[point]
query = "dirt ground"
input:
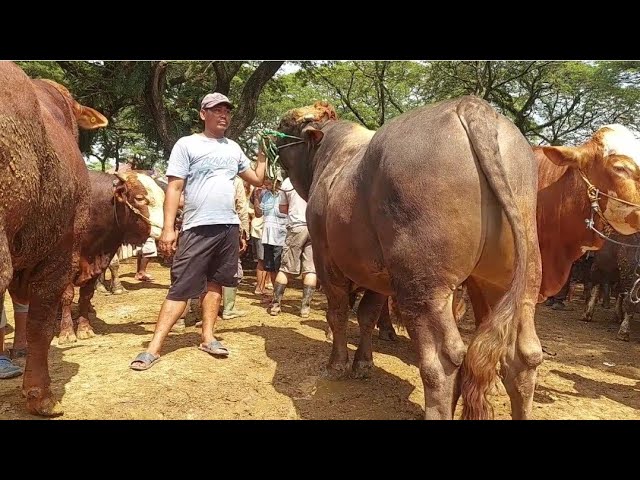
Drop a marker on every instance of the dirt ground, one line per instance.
(275, 367)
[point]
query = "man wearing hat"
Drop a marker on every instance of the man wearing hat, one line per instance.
(203, 165)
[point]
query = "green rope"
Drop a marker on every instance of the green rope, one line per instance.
(270, 149)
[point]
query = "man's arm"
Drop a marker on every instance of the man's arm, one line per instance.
(241, 208)
(255, 178)
(167, 243)
(172, 201)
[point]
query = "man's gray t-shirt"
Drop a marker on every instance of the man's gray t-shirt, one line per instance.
(208, 166)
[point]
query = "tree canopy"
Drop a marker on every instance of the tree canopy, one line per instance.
(150, 104)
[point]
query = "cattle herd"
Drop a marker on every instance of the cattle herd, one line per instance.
(441, 197)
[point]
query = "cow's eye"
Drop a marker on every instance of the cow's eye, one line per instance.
(621, 169)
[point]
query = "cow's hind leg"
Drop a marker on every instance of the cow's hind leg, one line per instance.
(368, 311)
(524, 354)
(519, 367)
(618, 311)
(116, 284)
(428, 316)
(628, 309)
(45, 302)
(591, 303)
(385, 327)
(84, 330)
(100, 284)
(67, 334)
(606, 294)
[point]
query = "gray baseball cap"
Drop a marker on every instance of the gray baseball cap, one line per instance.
(212, 99)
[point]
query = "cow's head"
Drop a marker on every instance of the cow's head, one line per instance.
(610, 160)
(140, 191)
(297, 159)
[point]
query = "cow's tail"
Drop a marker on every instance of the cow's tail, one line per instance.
(479, 370)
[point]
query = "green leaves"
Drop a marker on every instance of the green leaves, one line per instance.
(151, 104)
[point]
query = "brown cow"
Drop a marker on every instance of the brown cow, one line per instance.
(125, 208)
(610, 162)
(44, 208)
(382, 215)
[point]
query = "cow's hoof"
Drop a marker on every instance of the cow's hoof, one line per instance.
(328, 336)
(102, 289)
(42, 404)
(362, 369)
(119, 291)
(67, 337)
(623, 336)
(585, 318)
(336, 371)
(85, 331)
(388, 335)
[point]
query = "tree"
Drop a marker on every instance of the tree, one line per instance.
(150, 105)
(367, 92)
(165, 88)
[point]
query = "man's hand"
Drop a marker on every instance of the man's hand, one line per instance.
(243, 244)
(168, 242)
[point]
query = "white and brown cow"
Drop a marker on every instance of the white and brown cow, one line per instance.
(125, 208)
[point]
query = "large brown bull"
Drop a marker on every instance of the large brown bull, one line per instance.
(438, 196)
(44, 208)
(125, 208)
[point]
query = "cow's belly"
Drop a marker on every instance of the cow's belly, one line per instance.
(48, 223)
(346, 240)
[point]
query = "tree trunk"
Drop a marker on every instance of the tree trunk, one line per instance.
(154, 100)
(245, 112)
(225, 71)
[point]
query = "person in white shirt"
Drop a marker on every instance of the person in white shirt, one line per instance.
(274, 228)
(297, 254)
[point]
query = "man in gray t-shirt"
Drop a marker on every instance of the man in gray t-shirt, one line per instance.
(202, 166)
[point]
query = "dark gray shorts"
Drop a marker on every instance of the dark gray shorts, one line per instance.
(208, 253)
(272, 257)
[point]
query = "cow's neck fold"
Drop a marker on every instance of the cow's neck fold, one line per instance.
(563, 207)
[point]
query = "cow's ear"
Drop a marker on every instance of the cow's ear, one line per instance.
(313, 135)
(120, 190)
(88, 118)
(573, 157)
